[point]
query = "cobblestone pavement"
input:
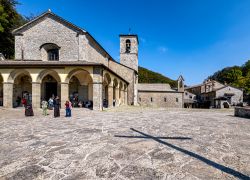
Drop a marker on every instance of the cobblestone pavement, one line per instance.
(126, 143)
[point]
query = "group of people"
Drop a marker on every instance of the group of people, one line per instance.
(54, 103)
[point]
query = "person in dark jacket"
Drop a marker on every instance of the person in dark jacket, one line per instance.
(29, 110)
(56, 104)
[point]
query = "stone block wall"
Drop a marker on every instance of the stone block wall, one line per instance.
(47, 30)
(160, 99)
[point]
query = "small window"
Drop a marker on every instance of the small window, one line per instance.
(151, 99)
(140, 99)
(177, 100)
(53, 55)
(165, 99)
(128, 46)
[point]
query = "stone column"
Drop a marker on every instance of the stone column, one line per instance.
(136, 91)
(110, 95)
(97, 89)
(36, 95)
(64, 93)
(8, 95)
(97, 96)
(122, 97)
(117, 96)
(125, 97)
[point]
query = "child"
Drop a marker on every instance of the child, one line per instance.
(44, 107)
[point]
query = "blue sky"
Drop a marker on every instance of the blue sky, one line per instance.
(194, 38)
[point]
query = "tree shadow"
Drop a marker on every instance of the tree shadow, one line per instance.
(220, 167)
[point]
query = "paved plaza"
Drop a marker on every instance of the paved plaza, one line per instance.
(126, 143)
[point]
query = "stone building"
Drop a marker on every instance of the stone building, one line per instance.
(55, 57)
(189, 100)
(161, 95)
(215, 94)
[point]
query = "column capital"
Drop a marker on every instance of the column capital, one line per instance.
(35, 83)
(63, 83)
(96, 82)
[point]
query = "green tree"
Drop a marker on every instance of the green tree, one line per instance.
(9, 20)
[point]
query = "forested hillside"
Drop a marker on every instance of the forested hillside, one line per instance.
(238, 76)
(147, 76)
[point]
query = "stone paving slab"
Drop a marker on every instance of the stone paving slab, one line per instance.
(125, 143)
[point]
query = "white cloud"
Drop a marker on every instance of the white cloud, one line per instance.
(162, 49)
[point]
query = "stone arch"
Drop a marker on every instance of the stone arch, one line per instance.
(22, 86)
(80, 87)
(15, 73)
(1, 90)
(50, 52)
(50, 83)
(75, 72)
(46, 72)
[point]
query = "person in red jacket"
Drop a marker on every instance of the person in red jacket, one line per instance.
(68, 107)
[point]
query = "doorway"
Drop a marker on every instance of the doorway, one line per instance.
(50, 89)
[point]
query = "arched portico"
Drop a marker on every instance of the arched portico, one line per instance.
(49, 81)
(107, 91)
(80, 88)
(20, 82)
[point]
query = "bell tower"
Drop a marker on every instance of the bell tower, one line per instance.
(180, 84)
(129, 51)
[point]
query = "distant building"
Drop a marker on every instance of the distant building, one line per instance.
(215, 94)
(159, 95)
(189, 100)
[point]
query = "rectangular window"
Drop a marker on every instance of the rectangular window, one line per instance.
(140, 99)
(151, 99)
(177, 100)
(165, 99)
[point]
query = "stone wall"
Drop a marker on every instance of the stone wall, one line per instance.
(242, 112)
(160, 99)
(47, 30)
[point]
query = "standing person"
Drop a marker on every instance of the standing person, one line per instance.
(24, 102)
(56, 104)
(45, 107)
(50, 102)
(68, 108)
(18, 101)
(29, 110)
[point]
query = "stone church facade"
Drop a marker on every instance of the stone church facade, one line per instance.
(55, 57)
